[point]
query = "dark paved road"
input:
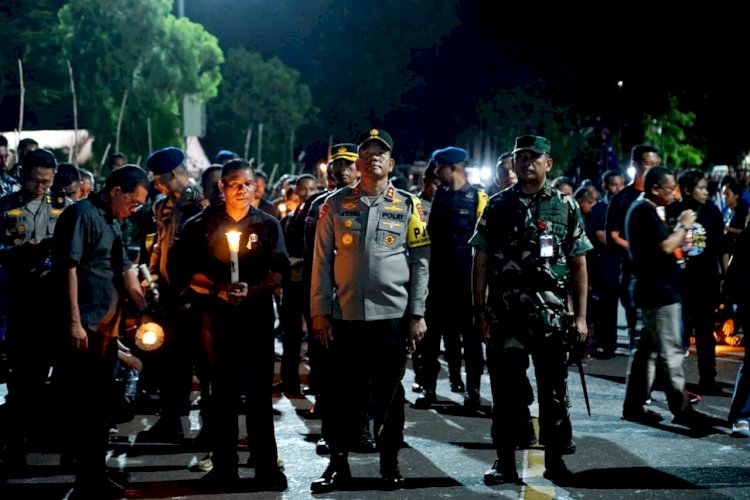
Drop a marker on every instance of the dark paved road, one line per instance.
(448, 452)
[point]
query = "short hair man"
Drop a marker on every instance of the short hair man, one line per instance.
(656, 271)
(91, 264)
(243, 350)
(28, 220)
(530, 244)
(370, 234)
(455, 210)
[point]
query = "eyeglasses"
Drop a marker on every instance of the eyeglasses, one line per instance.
(133, 205)
(668, 188)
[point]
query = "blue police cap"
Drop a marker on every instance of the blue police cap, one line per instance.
(165, 160)
(225, 154)
(449, 156)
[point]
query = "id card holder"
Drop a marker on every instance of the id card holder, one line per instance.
(546, 245)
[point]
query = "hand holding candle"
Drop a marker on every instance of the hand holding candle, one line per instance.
(233, 238)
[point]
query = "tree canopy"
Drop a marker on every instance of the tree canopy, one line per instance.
(118, 46)
(256, 91)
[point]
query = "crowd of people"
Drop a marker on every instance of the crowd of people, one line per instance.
(537, 268)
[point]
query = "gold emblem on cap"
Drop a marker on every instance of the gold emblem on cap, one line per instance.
(389, 239)
(347, 223)
(347, 239)
(374, 132)
(342, 149)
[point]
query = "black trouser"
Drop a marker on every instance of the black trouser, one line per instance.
(173, 363)
(450, 316)
(32, 345)
(510, 390)
(605, 312)
(700, 298)
(291, 323)
(626, 297)
(88, 377)
(244, 349)
(364, 353)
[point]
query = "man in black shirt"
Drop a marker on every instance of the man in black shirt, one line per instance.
(239, 313)
(90, 261)
(642, 158)
(656, 291)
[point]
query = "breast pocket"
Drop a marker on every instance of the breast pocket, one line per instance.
(348, 231)
(390, 234)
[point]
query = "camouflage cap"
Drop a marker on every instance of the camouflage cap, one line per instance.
(535, 143)
(346, 151)
(375, 135)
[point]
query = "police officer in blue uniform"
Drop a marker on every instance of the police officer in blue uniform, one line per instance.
(456, 208)
(27, 222)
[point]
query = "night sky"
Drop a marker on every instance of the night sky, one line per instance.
(580, 55)
(469, 49)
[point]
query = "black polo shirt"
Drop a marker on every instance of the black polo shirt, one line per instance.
(202, 247)
(88, 237)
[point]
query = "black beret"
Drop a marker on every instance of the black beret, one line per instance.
(38, 158)
(165, 160)
(449, 156)
(375, 135)
(347, 151)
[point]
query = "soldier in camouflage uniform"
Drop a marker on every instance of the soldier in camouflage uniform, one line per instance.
(369, 281)
(530, 243)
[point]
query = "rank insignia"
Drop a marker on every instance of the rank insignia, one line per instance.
(389, 239)
(347, 239)
(348, 223)
(389, 193)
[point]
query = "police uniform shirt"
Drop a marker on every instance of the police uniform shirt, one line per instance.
(523, 283)
(371, 256)
(88, 237)
(21, 219)
(202, 248)
(170, 217)
(453, 217)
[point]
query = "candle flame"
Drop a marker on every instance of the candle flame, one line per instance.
(233, 238)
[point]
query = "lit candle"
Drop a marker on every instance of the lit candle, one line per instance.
(233, 238)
